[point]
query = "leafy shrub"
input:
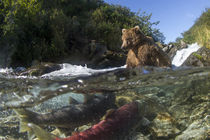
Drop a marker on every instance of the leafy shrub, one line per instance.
(200, 31)
(47, 30)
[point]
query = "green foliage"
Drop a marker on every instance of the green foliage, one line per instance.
(109, 20)
(46, 30)
(198, 56)
(200, 31)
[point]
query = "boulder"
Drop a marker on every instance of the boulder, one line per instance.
(164, 126)
(171, 49)
(110, 59)
(200, 58)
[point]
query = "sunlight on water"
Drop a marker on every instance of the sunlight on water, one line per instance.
(183, 54)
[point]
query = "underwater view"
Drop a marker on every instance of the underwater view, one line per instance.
(125, 104)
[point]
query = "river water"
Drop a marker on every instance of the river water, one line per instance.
(53, 90)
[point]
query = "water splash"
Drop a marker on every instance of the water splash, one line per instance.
(183, 54)
(75, 70)
(6, 70)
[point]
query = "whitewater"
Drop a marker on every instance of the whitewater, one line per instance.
(183, 54)
(74, 70)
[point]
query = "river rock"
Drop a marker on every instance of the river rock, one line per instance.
(200, 58)
(198, 130)
(172, 48)
(164, 126)
(110, 59)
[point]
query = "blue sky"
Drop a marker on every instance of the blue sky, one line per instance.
(175, 16)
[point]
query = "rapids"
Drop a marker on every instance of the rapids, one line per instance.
(183, 54)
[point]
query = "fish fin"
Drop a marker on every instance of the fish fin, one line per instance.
(25, 117)
(73, 101)
(33, 130)
(26, 114)
(23, 127)
(40, 133)
(31, 135)
(58, 132)
(108, 114)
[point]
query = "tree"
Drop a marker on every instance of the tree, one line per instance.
(109, 20)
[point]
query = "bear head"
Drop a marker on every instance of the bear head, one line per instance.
(131, 37)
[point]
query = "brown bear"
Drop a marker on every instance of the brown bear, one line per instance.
(142, 50)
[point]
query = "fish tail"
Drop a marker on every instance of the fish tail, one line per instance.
(40, 133)
(25, 116)
(27, 125)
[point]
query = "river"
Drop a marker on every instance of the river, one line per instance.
(172, 88)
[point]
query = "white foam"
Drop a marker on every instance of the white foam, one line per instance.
(75, 70)
(183, 54)
(6, 70)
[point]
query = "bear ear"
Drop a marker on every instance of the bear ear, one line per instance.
(137, 28)
(123, 30)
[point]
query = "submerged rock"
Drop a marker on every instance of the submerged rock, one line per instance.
(164, 126)
(198, 130)
(200, 58)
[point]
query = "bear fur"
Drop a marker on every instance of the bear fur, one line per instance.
(142, 50)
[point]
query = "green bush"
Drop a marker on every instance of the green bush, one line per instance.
(109, 20)
(46, 30)
(200, 31)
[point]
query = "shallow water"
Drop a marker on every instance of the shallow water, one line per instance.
(166, 86)
(184, 92)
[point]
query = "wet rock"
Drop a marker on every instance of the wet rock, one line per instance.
(200, 58)
(164, 126)
(183, 44)
(19, 69)
(198, 130)
(122, 100)
(100, 57)
(40, 69)
(140, 136)
(110, 59)
(172, 48)
(167, 48)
